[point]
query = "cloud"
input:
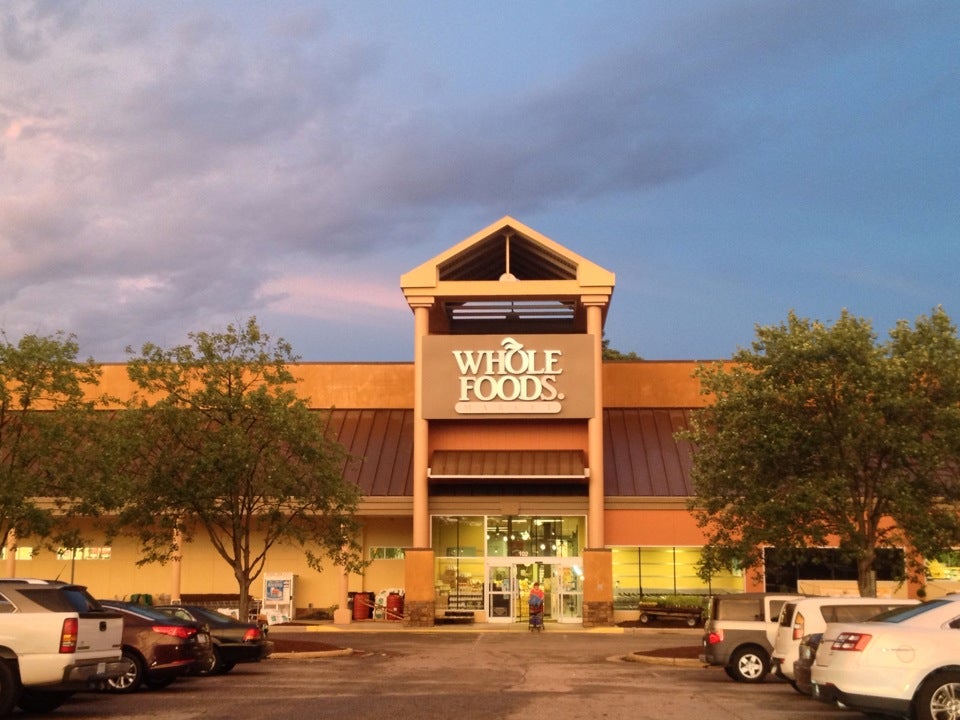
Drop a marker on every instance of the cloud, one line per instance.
(166, 167)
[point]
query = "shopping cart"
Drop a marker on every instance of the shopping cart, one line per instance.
(536, 613)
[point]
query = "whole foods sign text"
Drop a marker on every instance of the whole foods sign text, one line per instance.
(497, 376)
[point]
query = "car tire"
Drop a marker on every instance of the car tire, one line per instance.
(938, 697)
(213, 664)
(749, 664)
(9, 688)
(32, 701)
(131, 680)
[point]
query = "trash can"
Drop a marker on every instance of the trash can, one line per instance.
(362, 605)
(394, 606)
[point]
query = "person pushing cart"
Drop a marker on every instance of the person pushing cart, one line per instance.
(535, 602)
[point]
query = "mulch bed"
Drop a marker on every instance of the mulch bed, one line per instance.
(686, 653)
(284, 645)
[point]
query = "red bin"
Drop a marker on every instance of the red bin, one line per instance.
(394, 606)
(362, 606)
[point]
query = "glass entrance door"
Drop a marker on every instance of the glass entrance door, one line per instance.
(501, 582)
(569, 592)
(509, 582)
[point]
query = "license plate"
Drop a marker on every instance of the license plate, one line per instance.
(101, 668)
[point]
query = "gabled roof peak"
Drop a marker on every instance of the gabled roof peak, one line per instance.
(508, 277)
(503, 251)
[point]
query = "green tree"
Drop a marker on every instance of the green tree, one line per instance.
(819, 432)
(612, 354)
(46, 420)
(228, 448)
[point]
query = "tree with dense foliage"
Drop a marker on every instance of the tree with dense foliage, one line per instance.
(46, 419)
(227, 447)
(820, 434)
(613, 355)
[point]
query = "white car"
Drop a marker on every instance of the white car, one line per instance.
(905, 663)
(811, 615)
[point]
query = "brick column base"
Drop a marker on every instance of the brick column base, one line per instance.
(597, 614)
(418, 613)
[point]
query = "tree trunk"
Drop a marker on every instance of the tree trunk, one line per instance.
(243, 583)
(866, 576)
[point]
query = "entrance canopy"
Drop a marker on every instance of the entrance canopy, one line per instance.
(500, 465)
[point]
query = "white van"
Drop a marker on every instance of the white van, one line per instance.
(811, 615)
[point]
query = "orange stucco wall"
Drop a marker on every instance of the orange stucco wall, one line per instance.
(324, 385)
(390, 385)
(651, 527)
(651, 384)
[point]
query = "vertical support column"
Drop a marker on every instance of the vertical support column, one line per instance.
(421, 519)
(175, 566)
(597, 561)
(342, 615)
(595, 531)
(420, 600)
(11, 548)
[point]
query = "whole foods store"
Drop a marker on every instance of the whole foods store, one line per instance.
(506, 453)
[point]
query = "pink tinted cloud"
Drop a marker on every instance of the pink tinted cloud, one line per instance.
(326, 297)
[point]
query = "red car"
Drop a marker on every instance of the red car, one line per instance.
(158, 648)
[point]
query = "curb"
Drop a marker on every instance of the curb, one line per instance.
(673, 662)
(311, 654)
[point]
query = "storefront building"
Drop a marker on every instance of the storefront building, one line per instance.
(508, 452)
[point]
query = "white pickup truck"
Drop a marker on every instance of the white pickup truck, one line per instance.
(55, 639)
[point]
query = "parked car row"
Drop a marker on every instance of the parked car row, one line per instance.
(893, 658)
(57, 639)
(162, 643)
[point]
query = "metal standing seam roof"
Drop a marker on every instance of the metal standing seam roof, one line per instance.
(642, 458)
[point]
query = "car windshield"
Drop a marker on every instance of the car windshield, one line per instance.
(898, 615)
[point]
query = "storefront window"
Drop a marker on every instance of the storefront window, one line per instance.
(21, 553)
(458, 536)
(536, 536)
(639, 571)
(463, 546)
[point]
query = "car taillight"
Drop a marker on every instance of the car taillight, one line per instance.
(798, 626)
(179, 631)
(68, 635)
(252, 635)
(855, 642)
(715, 637)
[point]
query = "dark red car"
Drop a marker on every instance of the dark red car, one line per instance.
(158, 648)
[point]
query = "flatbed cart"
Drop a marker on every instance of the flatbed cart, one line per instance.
(536, 614)
(689, 615)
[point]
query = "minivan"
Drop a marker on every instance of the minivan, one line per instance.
(739, 632)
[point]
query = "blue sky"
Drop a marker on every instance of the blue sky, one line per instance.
(177, 166)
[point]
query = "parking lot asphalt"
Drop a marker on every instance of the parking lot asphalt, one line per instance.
(658, 645)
